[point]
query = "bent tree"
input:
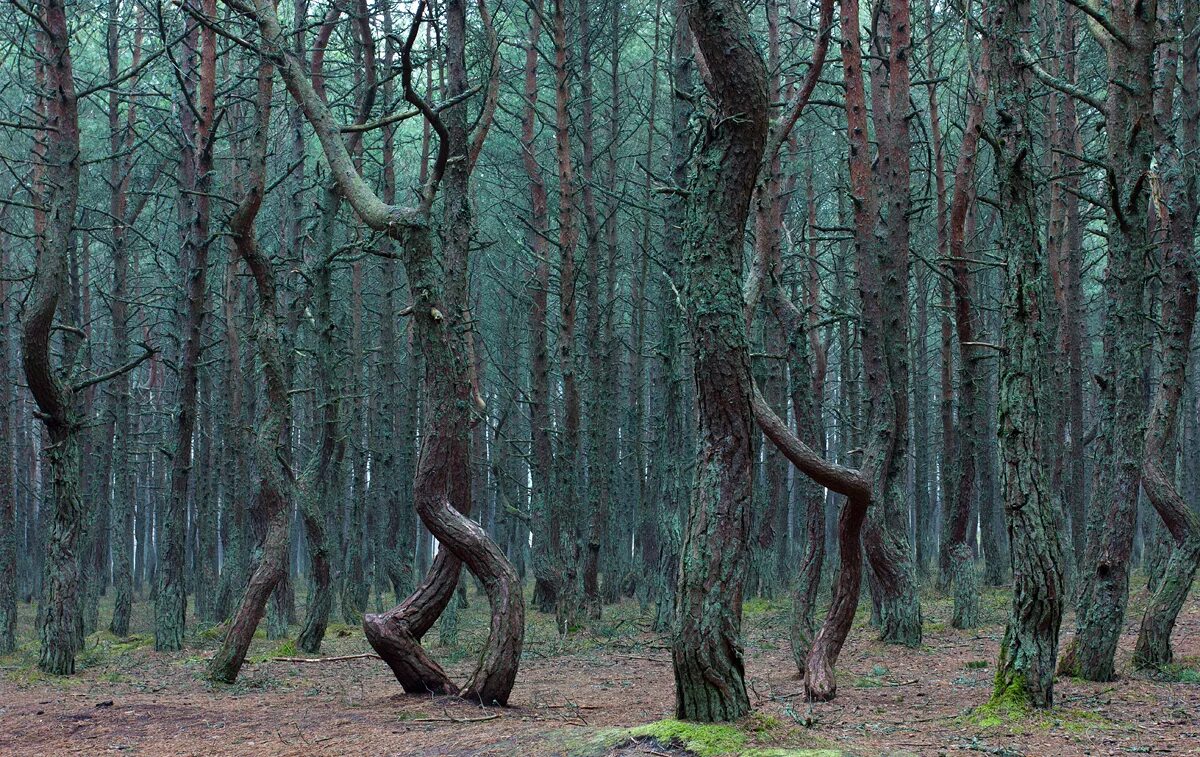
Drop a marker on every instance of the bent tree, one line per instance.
(707, 650)
(56, 187)
(1176, 156)
(276, 491)
(1025, 672)
(441, 332)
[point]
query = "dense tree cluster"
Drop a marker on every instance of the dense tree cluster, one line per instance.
(308, 306)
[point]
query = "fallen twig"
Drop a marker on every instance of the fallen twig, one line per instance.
(342, 658)
(452, 719)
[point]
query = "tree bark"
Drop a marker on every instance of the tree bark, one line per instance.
(1025, 672)
(56, 187)
(1180, 285)
(197, 119)
(442, 483)
(707, 653)
(1105, 573)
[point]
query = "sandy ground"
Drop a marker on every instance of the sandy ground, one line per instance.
(127, 698)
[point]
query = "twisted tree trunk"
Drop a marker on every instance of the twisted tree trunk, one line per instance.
(707, 652)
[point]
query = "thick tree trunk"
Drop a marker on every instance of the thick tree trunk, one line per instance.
(1025, 672)
(707, 652)
(56, 187)
(1177, 161)
(1105, 573)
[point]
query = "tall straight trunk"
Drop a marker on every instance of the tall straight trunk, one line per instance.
(545, 533)
(1025, 672)
(9, 541)
(881, 201)
(197, 119)
(1105, 573)
(707, 651)
(565, 514)
(674, 445)
(394, 450)
(925, 516)
(121, 535)
(56, 189)
(602, 362)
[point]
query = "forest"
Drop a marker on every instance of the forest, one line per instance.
(595, 378)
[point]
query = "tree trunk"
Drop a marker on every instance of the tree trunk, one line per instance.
(277, 488)
(197, 119)
(1105, 573)
(56, 188)
(707, 652)
(1180, 285)
(1025, 672)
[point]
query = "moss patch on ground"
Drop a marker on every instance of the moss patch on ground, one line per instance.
(755, 736)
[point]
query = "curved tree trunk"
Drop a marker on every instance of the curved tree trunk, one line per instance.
(277, 490)
(1177, 161)
(56, 187)
(707, 652)
(442, 332)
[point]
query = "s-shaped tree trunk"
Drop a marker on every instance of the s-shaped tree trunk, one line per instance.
(441, 332)
(56, 186)
(707, 651)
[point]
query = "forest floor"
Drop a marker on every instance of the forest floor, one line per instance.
(587, 695)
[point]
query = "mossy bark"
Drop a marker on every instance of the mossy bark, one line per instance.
(707, 652)
(1025, 672)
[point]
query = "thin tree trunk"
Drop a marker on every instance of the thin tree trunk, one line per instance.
(197, 119)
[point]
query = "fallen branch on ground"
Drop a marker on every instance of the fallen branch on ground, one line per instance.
(342, 658)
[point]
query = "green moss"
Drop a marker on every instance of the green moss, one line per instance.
(976, 664)
(1009, 708)
(1178, 673)
(703, 739)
